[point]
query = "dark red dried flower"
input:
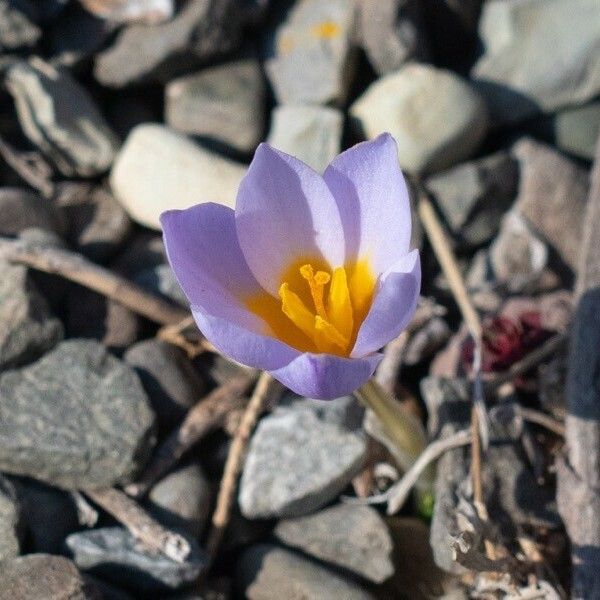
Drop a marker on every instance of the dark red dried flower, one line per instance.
(505, 341)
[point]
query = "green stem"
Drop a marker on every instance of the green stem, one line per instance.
(403, 430)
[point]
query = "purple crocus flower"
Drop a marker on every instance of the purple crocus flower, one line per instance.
(310, 275)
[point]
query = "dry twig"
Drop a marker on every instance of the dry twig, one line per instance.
(266, 387)
(479, 428)
(204, 417)
(141, 524)
(175, 334)
(542, 419)
(397, 494)
(74, 267)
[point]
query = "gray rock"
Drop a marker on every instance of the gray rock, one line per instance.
(115, 555)
(42, 576)
(577, 129)
(474, 196)
(10, 513)
(21, 209)
(436, 117)
(419, 577)
(579, 470)
(48, 514)
(60, 118)
(427, 340)
(391, 33)
(200, 31)
(223, 103)
(108, 591)
(552, 196)
(346, 412)
(16, 28)
(296, 464)
(539, 56)
(98, 224)
(269, 573)
(170, 380)
(517, 256)
(158, 169)
(511, 491)
(353, 537)
(144, 250)
(311, 133)
(91, 423)
(311, 60)
(28, 328)
(161, 280)
(94, 316)
(49, 9)
(588, 271)
(77, 36)
(448, 405)
(183, 499)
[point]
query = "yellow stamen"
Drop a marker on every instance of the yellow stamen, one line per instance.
(327, 319)
(339, 307)
(296, 311)
(317, 282)
(331, 333)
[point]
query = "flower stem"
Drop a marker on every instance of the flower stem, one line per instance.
(402, 429)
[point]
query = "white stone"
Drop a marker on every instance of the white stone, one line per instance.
(311, 133)
(539, 56)
(159, 169)
(435, 116)
(296, 464)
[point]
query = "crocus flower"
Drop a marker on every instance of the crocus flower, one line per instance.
(311, 274)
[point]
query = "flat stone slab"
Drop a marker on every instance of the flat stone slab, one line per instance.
(269, 573)
(312, 53)
(28, 327)
(113, 553)
(43, 576)
(77, 418)
(60, 118)
(352, 537)
(311, 133)
(296, 464)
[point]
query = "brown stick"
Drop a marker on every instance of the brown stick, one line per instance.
(543, 420)
(174, 334)
(445, 256)
(141, 524)
(74, 267)
(265, 389)
(206, 416)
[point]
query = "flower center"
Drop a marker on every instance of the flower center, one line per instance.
(321, 309)
(329, 327)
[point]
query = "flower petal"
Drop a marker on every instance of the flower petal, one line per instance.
(393, 306)
(202, 248)
(243, 345)
(324, 376)
(373, 200)
(284, 212)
